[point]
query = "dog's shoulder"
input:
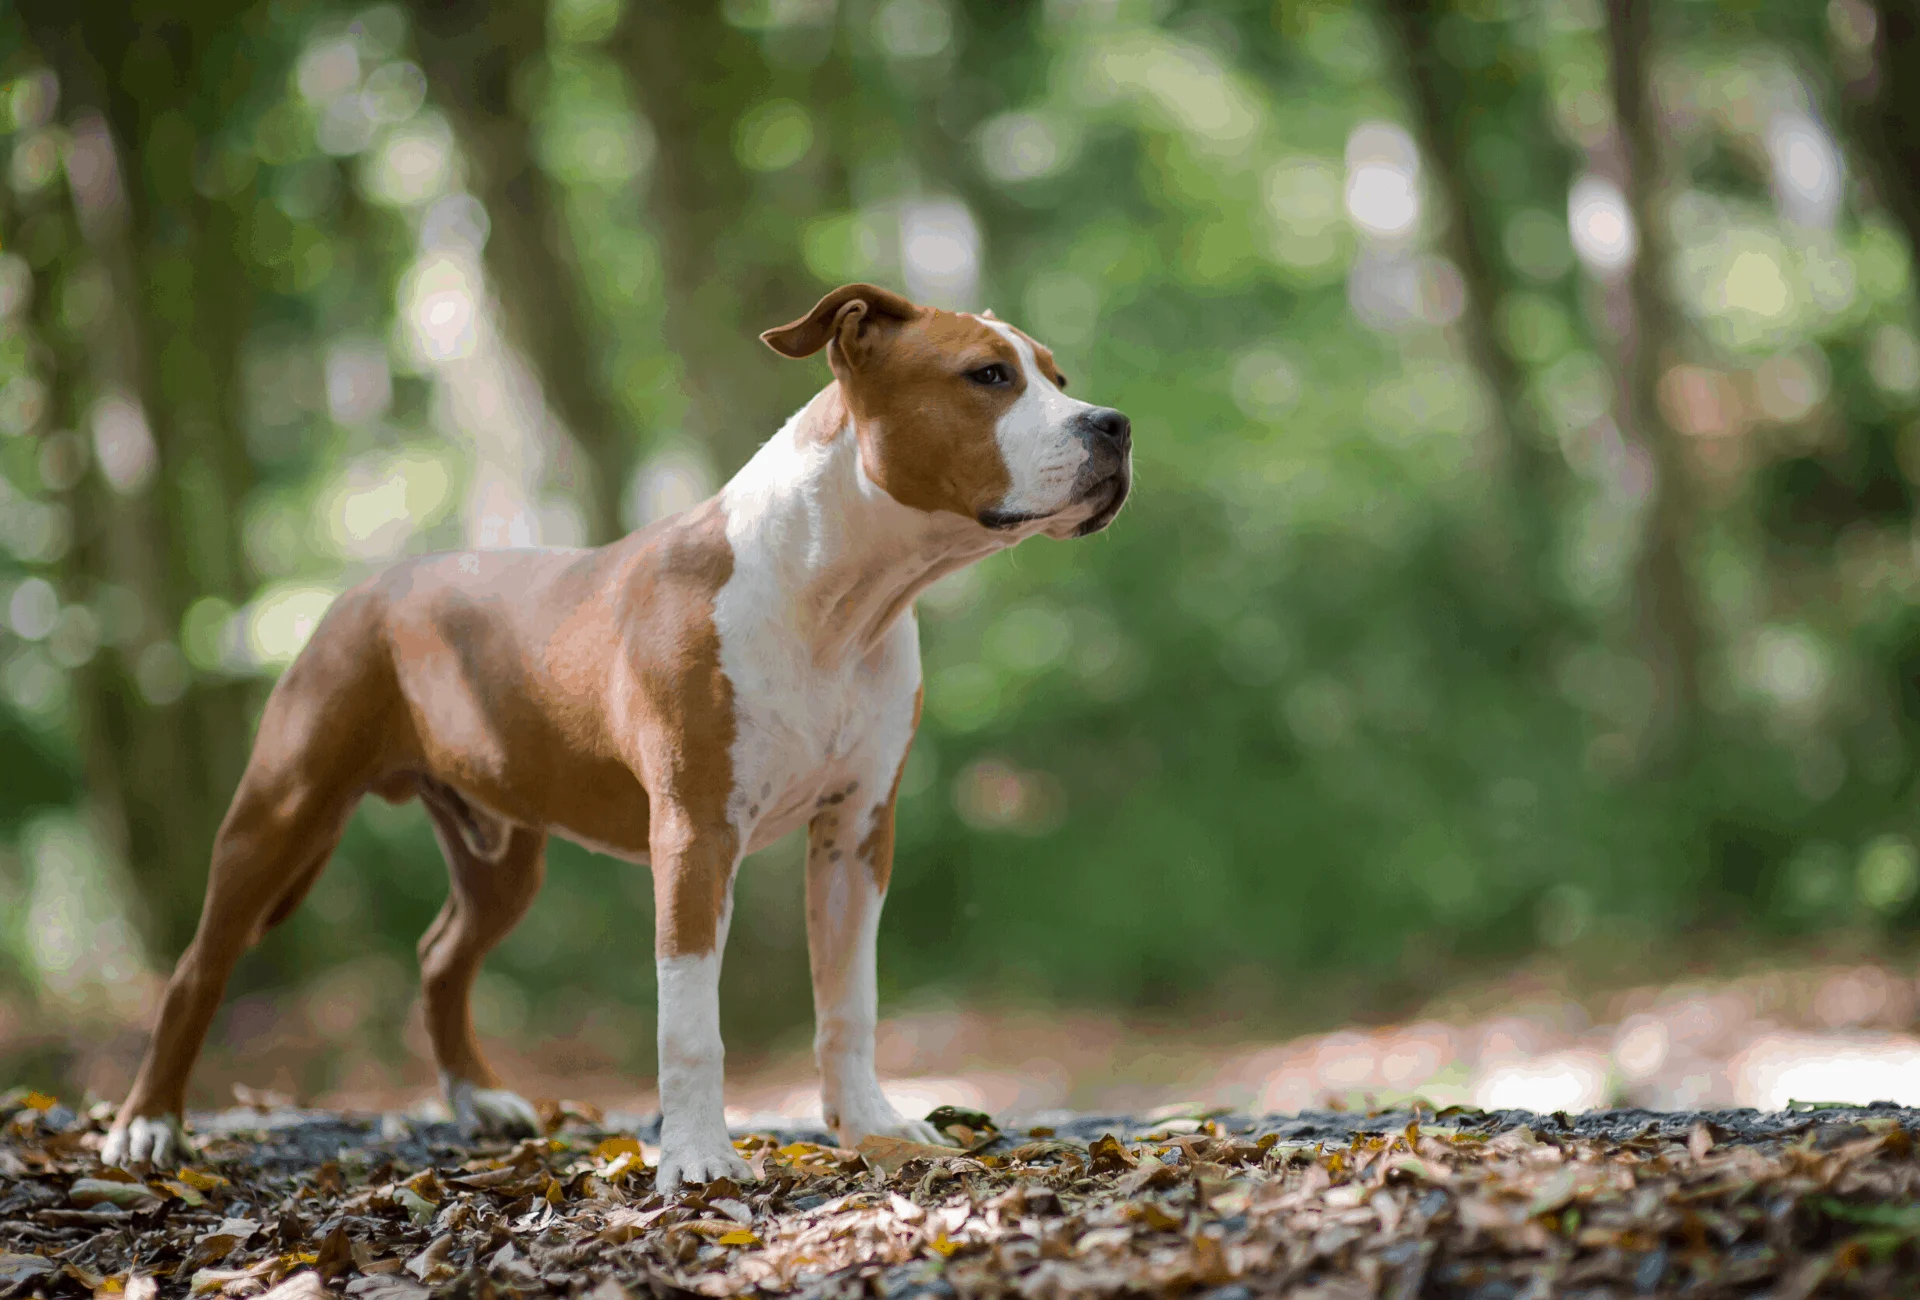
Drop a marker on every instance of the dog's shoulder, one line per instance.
(688, 551)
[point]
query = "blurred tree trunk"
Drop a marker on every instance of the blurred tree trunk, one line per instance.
(1880, 101)
(694, 75)
(104, 691)
(178, 308)
(1647, 338)
(1443, 114)
(474, 51)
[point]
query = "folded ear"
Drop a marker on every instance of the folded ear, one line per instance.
(846, 315)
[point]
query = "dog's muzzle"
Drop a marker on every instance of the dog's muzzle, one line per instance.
(1107, 475)
(1104, 479)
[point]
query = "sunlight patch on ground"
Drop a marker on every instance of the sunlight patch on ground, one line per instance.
(1776, 1069)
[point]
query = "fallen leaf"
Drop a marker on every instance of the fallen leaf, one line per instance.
(88, 1192)
(218, 1279)
(1107, 1156)
(1154, 1215)
(386, 1287)
(431, 1264)
(238, 1229)
(1556, 1191)
(427, 1186)
(734, 1209)
(304, 1285)
(1149, 1172)
(714, 1229)
(614, 1147)
(187, 1195)
(335, 1255)
(202, 1180)
(18, 1268)
(889, 1153)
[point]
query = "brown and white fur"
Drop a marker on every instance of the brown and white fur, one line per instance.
(679, 698)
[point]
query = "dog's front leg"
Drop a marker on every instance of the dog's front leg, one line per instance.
(849, 859)
(693, 868)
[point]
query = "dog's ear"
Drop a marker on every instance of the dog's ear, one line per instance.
(846, 317)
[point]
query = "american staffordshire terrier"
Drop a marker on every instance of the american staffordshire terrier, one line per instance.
(679, 698)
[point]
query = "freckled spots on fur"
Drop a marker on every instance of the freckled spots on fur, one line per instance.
(753, 810)
(834, 855)
(766, 790)
(836, 797)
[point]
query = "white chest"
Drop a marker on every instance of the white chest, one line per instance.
(817, 634)
(805, 731)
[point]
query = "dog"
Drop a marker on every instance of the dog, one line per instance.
(679, 698)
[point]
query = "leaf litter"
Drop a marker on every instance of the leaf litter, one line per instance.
(303, 1205)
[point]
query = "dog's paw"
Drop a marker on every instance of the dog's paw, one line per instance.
(690, 1161)
(918, 1130)
(874, 1116)
(145, 1140)
(491, 1112)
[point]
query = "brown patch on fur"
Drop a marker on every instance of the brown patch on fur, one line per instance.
(507, 663)
(926, 431)
(684, 724)
(519, 692)
(876, 850)
(487, 898)
(844, 313)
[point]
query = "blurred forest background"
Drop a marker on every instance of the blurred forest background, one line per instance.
(1524, 568)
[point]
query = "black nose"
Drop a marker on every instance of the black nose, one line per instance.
(1111, 426)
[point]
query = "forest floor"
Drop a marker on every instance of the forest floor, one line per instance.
(303, 1205)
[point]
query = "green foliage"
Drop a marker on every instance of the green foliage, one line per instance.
(1348, 692)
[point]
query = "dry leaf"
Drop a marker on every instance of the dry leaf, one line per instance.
(304, 1285)
(15, 1269)
(613, 1147)
(889, 1153)
(335, 1255)
(386, 1287)
(88, 1192)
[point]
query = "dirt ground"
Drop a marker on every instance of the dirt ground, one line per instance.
(1498, 1205)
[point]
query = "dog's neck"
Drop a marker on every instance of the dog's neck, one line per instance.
(834, 559)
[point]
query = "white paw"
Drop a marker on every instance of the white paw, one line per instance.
(874, 1116)
(685, 1161)
(155, 1140)
(490, 1112)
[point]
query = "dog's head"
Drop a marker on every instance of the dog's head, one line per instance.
(966, 414)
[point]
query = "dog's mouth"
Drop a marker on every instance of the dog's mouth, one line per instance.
(1112, 493)
(1106, 495)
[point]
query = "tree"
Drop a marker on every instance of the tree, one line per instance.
(1646, 339)
(1446, 106)
(476, 53)
(146, 89)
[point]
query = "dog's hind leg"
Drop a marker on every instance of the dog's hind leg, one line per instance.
(495, 871)
(329, 732)
(276, 838)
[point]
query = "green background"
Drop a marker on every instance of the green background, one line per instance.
(1474, 603)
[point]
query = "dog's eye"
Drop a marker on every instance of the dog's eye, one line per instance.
(1060, 382)
(993, 376)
